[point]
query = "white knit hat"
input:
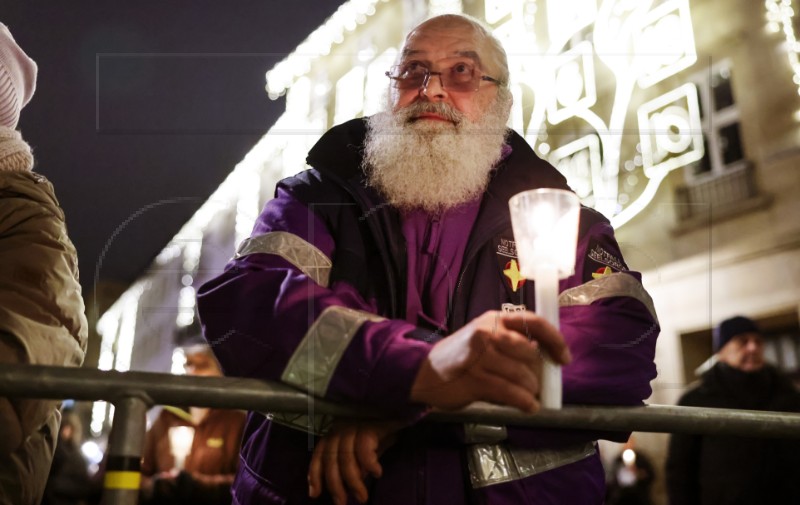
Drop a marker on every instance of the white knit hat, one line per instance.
(17, 79)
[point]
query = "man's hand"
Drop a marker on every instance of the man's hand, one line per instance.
(346, 455)
(495, 358)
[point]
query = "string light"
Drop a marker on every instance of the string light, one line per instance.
(127, 329)
(780, 16)
(117, 328)
(319, 43)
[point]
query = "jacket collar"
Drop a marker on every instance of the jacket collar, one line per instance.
(340, 150)
(520, 171)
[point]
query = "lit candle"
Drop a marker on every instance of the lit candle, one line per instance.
(180, 443)
(629, 457)
(545, 223)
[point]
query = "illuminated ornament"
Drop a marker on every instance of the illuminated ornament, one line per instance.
(641, 43)
(515, 279)
(581, 163)
(671, 135)
(602, 272)
(438, 7)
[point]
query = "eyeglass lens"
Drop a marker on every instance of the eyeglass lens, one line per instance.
(459, 77)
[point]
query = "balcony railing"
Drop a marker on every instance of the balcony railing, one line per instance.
(718, 197)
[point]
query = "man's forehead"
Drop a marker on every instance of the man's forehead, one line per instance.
(413, 53)
(198, 356)
(747, 336)
(447, 40)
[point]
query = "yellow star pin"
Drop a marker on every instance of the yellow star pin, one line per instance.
(514, 277)
(602, 272)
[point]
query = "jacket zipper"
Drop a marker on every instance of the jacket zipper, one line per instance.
(476, 245)
(368, 210)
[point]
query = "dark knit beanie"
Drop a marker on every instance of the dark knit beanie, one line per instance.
(729, 328)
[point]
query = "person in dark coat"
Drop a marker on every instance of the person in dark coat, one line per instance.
(728, 470)
(69, 482)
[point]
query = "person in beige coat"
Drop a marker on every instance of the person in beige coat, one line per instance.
(42, 317)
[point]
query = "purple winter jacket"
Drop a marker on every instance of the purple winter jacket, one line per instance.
(316, 298)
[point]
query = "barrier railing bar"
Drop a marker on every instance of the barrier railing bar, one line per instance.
(251, 394)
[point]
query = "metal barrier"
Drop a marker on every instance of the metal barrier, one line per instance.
(132, 393)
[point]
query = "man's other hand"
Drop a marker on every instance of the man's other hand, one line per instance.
(346, 455)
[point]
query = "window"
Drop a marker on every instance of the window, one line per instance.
(723, 180)
(720, 116)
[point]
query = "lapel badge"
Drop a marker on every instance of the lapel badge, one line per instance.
(602, 272)
(514, 277)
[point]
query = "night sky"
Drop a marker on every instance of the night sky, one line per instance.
(143, 108)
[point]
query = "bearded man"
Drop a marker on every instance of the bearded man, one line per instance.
(386, 276)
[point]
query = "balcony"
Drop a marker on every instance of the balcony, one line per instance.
(718, 198)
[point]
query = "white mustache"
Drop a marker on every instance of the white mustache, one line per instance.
(448, 112)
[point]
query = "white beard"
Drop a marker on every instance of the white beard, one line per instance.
(433, 165)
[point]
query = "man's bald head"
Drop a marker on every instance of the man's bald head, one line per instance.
(491, 54)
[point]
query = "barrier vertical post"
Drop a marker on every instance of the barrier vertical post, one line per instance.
(125, 445)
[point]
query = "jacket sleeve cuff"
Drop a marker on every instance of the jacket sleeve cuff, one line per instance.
(390, 380)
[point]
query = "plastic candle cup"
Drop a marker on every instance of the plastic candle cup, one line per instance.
(545, 223)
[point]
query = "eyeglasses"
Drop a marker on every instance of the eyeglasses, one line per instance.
(459, 77)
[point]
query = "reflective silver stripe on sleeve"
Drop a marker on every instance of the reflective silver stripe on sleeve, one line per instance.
(303, 255)
(316, 425)
(313, 363)
(475, 433)
(496, 463)
(617, 284)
